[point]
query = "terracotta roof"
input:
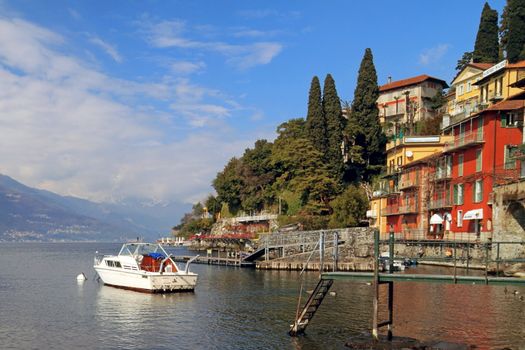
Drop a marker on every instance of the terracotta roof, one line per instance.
(481, 65)
(410, 81)
(507, 105)
(520, 64)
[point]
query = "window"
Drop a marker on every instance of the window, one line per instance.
(510, 120)
(478, 191)
(461, 130)
(479, 160)
(499, 86)
(484, 93)
(458, 194)
(460, 90)
(479, 135)
(469, 87)
(510, 156)
(448, 162)
(460, 164)
(460, 218)
(399, 161)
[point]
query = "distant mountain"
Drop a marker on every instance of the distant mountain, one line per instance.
(28, 214)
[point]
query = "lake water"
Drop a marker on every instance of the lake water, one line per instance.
(43, 307)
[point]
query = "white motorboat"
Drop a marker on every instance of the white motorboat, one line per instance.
(145, 267)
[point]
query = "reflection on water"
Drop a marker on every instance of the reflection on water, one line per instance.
(44, 307)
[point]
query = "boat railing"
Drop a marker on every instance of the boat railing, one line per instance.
(97, 260)
(187, 268)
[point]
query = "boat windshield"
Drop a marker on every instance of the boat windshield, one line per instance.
(135, 249)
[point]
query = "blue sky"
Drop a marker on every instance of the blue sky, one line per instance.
(106, 100)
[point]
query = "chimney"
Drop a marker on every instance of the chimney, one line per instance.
(389, 80)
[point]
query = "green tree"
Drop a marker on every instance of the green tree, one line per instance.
(366, 114)
(353, 151)
(315, 118)
(349, 207)
(514, 33)
(486, 48)
(228, 185)
(257, 174)
(335, 125)
(213, 205)
(464, 60)
(301, 169)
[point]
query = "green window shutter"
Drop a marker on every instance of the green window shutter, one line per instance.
(503, 120)
(455, 194)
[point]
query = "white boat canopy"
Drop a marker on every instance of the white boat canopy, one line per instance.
(436, 219)
(474, 214)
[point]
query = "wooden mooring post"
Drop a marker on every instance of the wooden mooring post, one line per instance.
(375, 320)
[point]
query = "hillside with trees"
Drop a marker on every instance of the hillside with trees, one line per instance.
(313, 172)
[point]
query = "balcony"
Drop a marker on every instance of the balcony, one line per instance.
(495, 97)
(454, 118)
(411, 208)
(390, 210)
(408, 182)
(442, 174)
(463, 141)
(440, 203)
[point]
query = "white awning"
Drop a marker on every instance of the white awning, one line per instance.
(436, 219)
(475, 214)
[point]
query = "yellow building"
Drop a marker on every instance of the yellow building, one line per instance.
(400, 153)
(465, 98)
(495, 82)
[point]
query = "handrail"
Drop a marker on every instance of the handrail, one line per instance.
(311, 254)
(187, 268)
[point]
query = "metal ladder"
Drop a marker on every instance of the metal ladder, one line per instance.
(311, 306)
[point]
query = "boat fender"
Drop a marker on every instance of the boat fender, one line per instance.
(81, 277)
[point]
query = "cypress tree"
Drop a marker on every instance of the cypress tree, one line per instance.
(335, 124)
(315, 119)
(515, 32)
(486, 48)
(366, 114)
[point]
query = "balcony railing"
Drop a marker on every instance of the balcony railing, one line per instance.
(408, 182)
(408, 209)
(442, 174)
(440, 203)
(396, 209)
(454, 118)
(465, 140)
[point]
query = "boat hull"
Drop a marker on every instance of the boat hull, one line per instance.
(150, 282)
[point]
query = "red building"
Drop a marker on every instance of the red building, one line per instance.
(481, 154)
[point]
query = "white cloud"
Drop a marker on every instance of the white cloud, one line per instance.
(109, 49)
(254, 33)
(256, 54)
(74, 13)
(166, 34)
(187, 67)
(433, 54)
(74, 130)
